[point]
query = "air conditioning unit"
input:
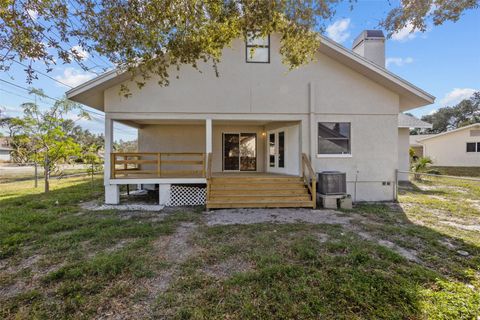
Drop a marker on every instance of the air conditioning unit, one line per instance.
(332, 183)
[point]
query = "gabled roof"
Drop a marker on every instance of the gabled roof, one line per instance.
(406, 121)
(475, 125)
(414, 138)
(91, 92)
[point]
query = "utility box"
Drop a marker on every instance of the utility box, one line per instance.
(332, 183)
(345, 202)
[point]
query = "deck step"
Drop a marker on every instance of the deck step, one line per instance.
(252, 198)
(234, 180)
(256, 191)
(258, 204)
(254, 186)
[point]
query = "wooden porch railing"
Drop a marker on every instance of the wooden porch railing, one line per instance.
(158, 164)
(309, 178)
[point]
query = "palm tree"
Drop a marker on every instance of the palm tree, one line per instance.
(421, 165)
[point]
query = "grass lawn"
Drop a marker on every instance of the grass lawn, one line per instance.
(418, 259)
(458, 171)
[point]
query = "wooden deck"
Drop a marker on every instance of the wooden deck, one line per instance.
(224, 189)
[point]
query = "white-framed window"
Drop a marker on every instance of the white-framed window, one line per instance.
(473, 146)
(334, 138)
(257, 49)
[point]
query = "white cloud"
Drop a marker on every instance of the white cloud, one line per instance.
(406, 33)
(80, 52)
(456, 95)
(397, 61)
(338, 31)
(74, 77)
(33, 14)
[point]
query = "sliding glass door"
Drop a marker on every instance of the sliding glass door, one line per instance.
(239, 151)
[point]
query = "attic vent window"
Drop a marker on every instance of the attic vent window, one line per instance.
(257, 49)
(474, 133)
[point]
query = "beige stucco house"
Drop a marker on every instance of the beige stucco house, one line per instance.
(405, 124)
(256, 135)
(455, 148)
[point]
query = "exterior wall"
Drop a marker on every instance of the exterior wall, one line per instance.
(4, 155)
(191, 138)
(171, 138)
(403, 152)
(257, 88)
(322, 91)
(450, 150)
(374, 156)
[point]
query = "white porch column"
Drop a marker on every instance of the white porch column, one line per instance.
(112, 192)
(208, 136)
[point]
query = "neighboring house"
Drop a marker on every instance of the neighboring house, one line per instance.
(455, 148)
(251, 134)
(405, 124)
(5, 150)
(416, 145)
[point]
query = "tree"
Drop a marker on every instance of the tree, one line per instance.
(19, 141)
(49, 139)
(421, 165)
(464, 113)
(145, 38)
(415, 14)
(91, 157)
(126, 146)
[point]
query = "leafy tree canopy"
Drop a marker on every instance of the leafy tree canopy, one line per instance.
(136, 35)
(463, 114)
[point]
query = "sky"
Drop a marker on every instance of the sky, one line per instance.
(444, 61)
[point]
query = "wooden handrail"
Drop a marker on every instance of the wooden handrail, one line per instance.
(158, 164)
(309, 178)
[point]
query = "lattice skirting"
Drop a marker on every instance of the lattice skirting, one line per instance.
(181, 195)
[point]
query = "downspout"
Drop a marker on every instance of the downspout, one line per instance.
(311, 118)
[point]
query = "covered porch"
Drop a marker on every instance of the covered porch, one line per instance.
(197, 152)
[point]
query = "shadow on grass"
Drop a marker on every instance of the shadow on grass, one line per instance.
(294, 271)
(328, 271)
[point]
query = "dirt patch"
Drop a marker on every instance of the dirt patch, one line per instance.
(466, 227)
(322, 237)
(176, 248)
(474, 203)
(440, 187)
(410, 255)
(38, 272)
(227, 268)
(173, 249)
(96, 206)
(253, 216)
(10, 291)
